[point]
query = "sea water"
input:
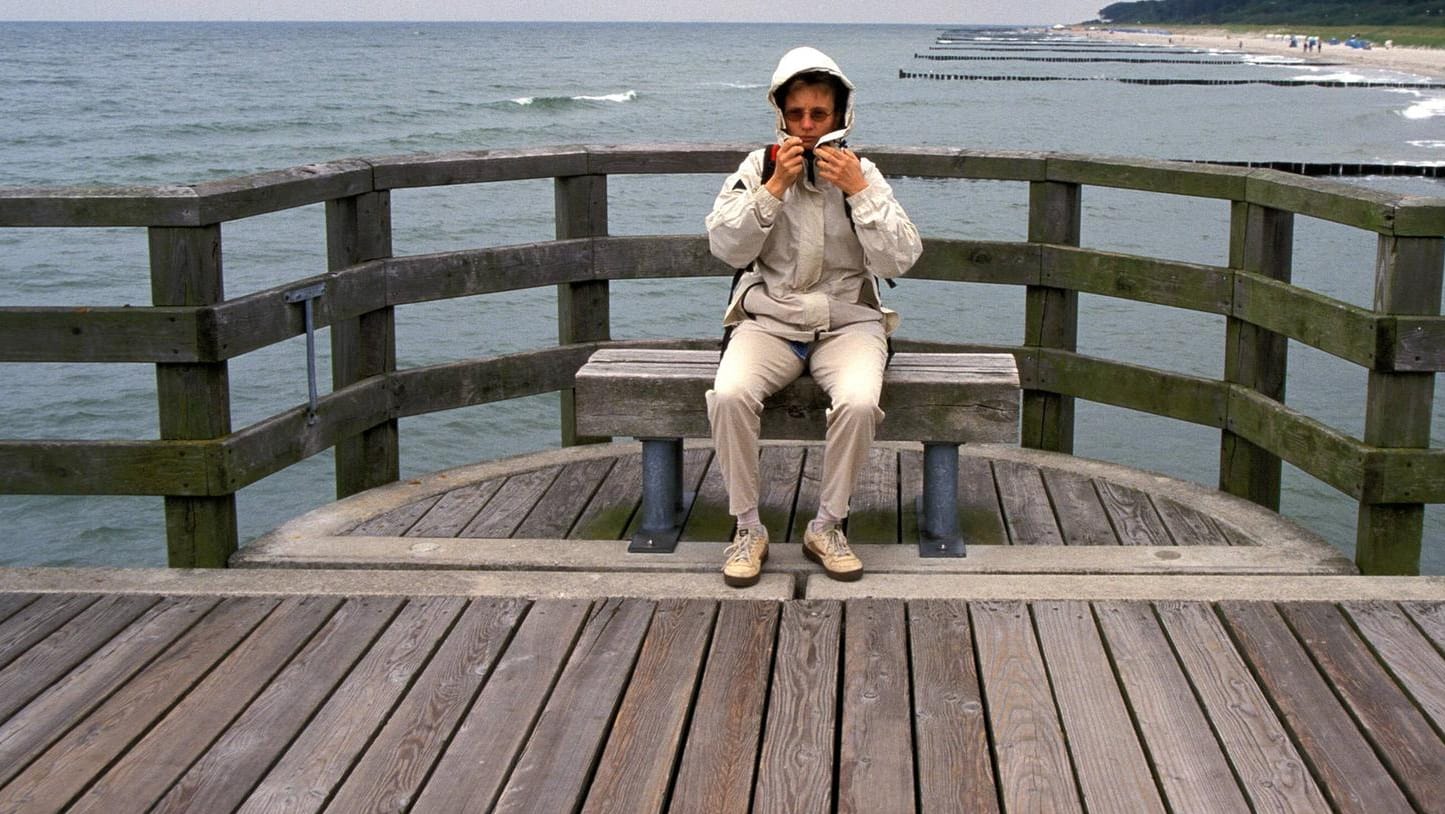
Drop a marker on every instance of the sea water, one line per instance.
(160, 103)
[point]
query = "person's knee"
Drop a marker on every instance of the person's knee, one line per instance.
(855, 410)
(732, 401)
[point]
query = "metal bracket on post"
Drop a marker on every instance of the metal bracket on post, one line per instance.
(662, 498)
(938, 534)
(306, 296)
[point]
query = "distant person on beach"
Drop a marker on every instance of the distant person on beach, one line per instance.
(815, 227)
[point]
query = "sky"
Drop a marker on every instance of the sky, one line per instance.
(947, 12)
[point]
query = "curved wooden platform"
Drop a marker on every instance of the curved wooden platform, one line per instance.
(1021, 511)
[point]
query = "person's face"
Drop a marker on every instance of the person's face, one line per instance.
(808, 113)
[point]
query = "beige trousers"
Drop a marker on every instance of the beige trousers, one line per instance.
(849, 368)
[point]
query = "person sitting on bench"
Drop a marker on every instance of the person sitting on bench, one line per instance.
(815, 227)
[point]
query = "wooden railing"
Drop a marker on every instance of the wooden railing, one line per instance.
(200, 461)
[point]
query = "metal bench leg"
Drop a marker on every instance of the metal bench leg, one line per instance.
(662, 500)
(938, 534)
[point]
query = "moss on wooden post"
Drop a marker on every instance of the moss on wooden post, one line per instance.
(358, 229)
(1398, 406)
(194, 399)
(1262, 241)
(583, 309)
(1051, 315)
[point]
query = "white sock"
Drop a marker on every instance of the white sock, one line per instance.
(749, 519)
(823, 522)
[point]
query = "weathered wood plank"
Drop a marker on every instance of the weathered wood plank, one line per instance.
(1174, 177)
(1032, 759)
(552, 772)
(30, 618)
(1261, 240)
(1407, 654)
(1342, 760)
(1271, 770)
(1026, 506)
(1051, 315)
(11, 603)
(108, 468)
(795, 767)
(1335, 327)
(562, 503)
(1141, 279)
(451, 512)
(810, 492)
(707, 516)
(396, 522)
(637, 766)
(511, 504)
(318, 759)
(83, 753)
(875, 760)
(715, 775)
(222, 778)
(470, 774)
(929, 397)
(1185, 525)
(1113, 772)
(1192, 769)
(955, 772)
(387, 776)
(1413, 751)
(62, 678)
(779, 470)
(611, 508)
(157, 760)
(1430, 616)
(1081, 516)
(873, 510)
(1133, 515)
(104, 334)
(1195, 399)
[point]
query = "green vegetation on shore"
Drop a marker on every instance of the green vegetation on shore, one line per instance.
(1414, 36)
(1337, 15)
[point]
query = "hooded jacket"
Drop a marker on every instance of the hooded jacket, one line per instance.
(812, 270)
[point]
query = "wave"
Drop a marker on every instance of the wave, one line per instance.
(1428, 144)
(735, 85)
(557, 102)
(1426, 109)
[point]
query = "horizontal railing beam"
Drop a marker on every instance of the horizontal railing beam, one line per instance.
(1141, 279)
(106, 334)
(51, 467)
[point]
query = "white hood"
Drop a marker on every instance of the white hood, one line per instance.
(807, 60)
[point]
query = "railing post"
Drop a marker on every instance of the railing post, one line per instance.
(1398, 406)
(358, 229)
(1261, 240)
(194, 399)
(1051, 315)
(583, 309)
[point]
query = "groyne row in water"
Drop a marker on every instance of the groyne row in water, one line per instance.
(1318, 169)
(1148, 49)
(1284, 83)
(1130, 60)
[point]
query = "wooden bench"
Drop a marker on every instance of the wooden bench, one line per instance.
(940, 399)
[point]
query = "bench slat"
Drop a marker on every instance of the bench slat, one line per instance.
(949, 397)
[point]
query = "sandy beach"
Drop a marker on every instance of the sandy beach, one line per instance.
(1425, 62)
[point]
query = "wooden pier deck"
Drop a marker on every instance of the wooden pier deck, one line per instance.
(300, 690)
(1019, 511)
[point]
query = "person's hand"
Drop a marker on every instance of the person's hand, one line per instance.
(789, 167)
(841, 168)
